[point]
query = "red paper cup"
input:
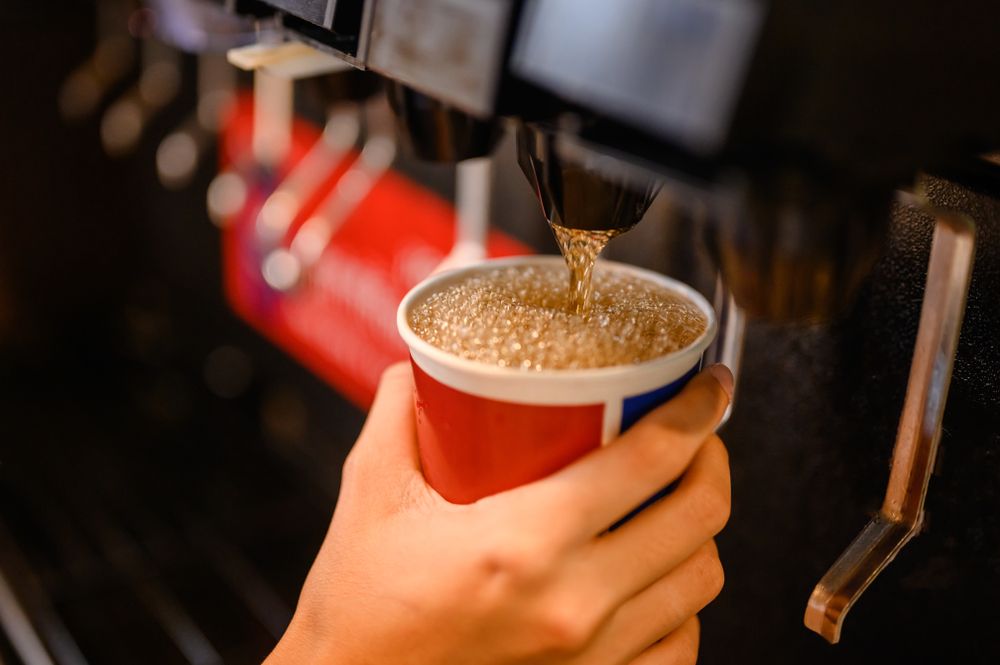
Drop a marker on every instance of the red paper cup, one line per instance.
(483, 429)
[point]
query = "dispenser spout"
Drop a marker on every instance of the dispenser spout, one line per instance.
(576, 196)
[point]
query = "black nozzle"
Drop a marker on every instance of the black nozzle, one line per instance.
(800, 247)
(349, 85)
(436, 132)
(575, 195)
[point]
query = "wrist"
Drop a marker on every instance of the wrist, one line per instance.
(305, 644)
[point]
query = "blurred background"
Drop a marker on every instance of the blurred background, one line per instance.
(170, 456)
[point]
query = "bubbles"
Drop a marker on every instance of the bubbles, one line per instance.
(523, 317)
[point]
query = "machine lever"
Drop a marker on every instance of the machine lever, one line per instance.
(902, 513)
(285, 269)
(472, 215)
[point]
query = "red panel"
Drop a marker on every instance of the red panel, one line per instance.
(472, 447)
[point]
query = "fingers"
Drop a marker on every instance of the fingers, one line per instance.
(388, 440)
(661, 608)
(604, 485)
(724, 376)
(668, 532)
(678, 648)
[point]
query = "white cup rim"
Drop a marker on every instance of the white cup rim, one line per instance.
(419, 346)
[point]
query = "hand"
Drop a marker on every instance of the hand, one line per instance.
(529, 575)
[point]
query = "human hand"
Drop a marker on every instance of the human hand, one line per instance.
(529, 575)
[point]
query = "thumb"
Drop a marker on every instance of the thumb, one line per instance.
(388, 440)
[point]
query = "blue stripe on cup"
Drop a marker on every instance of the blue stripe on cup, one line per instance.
(635, 407)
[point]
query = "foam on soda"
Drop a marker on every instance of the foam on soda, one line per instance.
(523, 317)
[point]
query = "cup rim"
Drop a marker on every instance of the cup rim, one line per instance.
(417, 344)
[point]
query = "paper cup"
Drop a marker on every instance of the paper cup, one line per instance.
(483, 429)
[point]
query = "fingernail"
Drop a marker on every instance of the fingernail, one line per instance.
(724, 377)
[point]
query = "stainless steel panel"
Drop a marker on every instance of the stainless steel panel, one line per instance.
(449, 49)
(315, 11)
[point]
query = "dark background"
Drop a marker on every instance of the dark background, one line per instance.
(149, 514)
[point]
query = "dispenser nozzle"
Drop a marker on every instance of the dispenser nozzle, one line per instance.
(434, 131)
(572, 194)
